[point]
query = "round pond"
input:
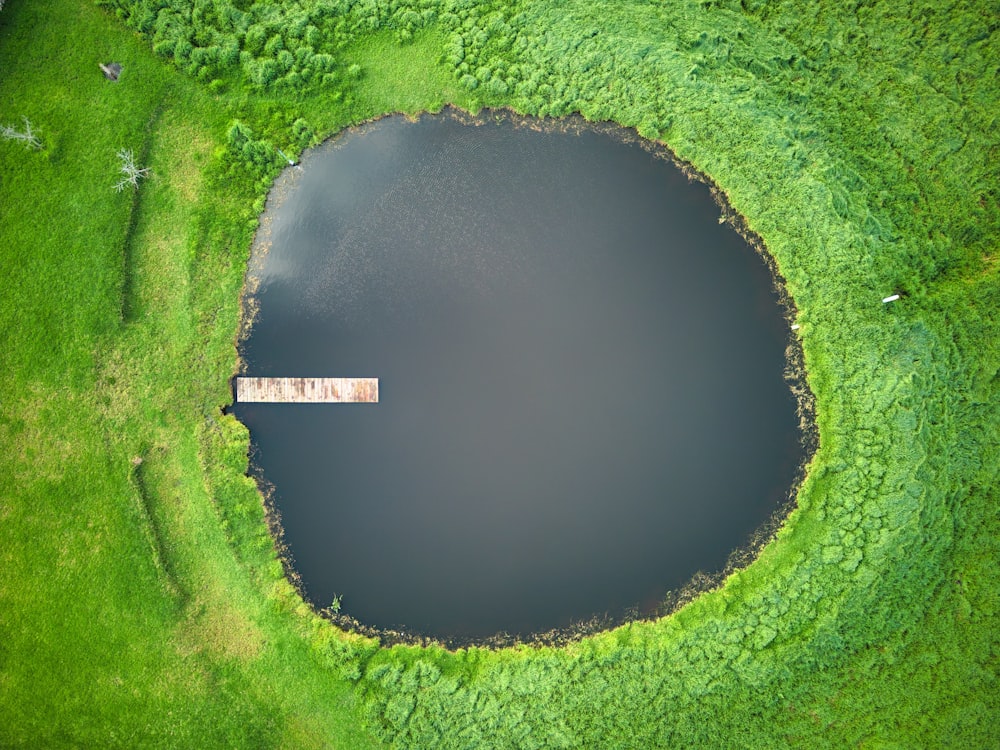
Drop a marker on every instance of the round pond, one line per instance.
(582, 399)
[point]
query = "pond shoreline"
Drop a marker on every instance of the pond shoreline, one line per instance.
(701, 582)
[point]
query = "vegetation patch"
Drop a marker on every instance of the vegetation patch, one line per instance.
(858, 142)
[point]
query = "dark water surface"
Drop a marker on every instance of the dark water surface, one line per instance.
(582, 401)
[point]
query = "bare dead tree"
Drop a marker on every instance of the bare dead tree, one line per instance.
(131, 172)
(29, 138)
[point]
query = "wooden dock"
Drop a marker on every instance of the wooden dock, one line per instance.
(307, 390)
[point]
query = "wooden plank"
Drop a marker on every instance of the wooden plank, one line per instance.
(307, 390)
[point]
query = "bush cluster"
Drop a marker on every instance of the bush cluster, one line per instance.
(289, 46)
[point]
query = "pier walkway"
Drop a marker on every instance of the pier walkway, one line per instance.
(307, 390)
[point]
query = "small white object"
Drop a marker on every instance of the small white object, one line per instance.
(890, 298)
(796, 327)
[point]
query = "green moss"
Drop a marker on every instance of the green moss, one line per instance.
(143, 600)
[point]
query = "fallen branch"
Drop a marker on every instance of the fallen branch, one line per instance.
(28, 137)
(131, 172)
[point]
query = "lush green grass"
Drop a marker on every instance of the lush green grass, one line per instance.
(142, 602)
(126, 620)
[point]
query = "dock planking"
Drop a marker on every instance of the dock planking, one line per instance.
(307, 390)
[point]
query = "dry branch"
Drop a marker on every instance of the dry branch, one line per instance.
(28, 137)
(131, 172)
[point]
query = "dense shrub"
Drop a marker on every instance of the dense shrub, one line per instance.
(272, 44)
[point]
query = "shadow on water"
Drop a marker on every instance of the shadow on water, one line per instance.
(589, 389)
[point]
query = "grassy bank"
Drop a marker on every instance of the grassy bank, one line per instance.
(142, 602)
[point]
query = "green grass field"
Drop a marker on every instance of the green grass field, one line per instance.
(142, 603)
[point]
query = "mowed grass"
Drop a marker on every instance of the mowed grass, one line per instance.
(126, 620)
(406, 78)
